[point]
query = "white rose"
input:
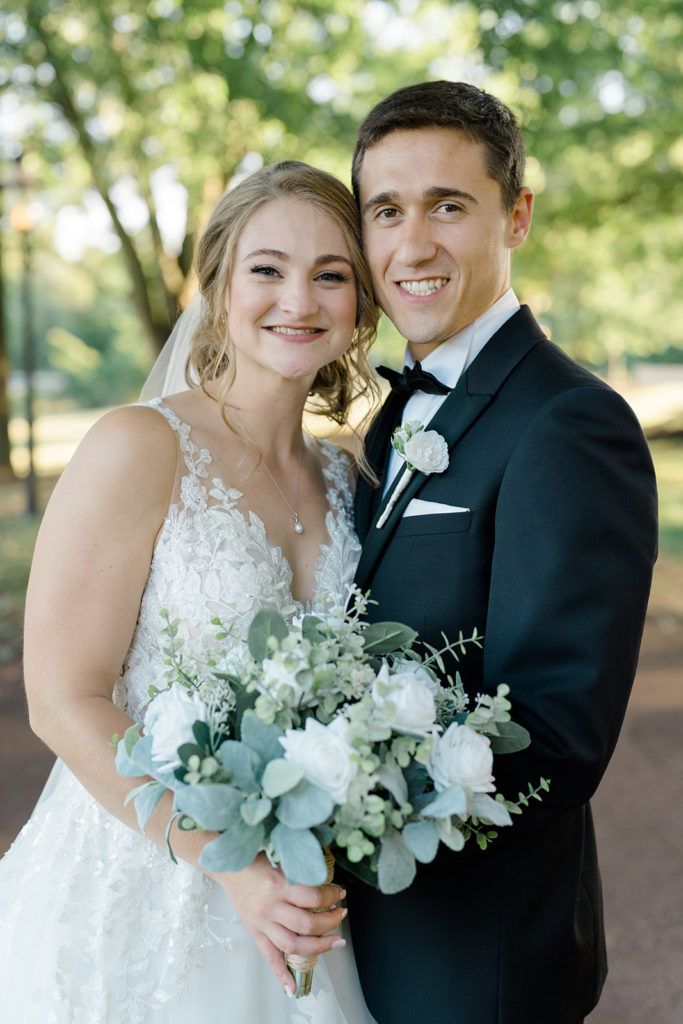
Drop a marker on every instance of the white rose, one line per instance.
(462, 757)
(169, 720)
(324, 753)
(411, 692)
(427, 451)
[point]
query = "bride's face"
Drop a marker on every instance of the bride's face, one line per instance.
(291, 297)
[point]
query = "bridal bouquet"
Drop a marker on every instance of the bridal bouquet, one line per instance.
(324, 732)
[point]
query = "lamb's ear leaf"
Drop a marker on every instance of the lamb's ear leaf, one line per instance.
(396, 866)
(300, 855)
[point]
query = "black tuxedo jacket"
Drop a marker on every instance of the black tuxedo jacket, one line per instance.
(552, 562)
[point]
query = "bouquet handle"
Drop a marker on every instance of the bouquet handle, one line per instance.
(301, 967)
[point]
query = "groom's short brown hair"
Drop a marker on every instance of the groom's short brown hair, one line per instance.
(478, 115)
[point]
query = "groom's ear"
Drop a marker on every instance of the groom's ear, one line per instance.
(520, 217)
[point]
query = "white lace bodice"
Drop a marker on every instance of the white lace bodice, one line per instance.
(212, 560)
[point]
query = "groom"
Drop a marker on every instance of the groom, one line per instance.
(541, 533)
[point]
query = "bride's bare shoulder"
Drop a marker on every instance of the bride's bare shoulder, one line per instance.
(130, 452)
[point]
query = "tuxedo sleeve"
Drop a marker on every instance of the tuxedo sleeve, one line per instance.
(575, 542)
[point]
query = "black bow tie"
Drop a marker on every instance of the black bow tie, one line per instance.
(413, 378)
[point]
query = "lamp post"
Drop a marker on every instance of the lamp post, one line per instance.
(22, 221)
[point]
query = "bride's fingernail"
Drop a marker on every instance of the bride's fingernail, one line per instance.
(338, 943)
(344, 913)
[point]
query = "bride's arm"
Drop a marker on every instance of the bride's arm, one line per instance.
(89, 571)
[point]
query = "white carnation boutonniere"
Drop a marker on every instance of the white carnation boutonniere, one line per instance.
(424, 451)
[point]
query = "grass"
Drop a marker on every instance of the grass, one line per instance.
(18, 532)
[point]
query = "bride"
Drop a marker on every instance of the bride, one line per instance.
(210, 501)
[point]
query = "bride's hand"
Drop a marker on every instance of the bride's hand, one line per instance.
(279, 916)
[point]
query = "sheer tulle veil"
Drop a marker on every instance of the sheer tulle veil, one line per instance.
(167, 376)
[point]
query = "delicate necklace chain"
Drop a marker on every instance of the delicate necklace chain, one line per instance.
(298, 525)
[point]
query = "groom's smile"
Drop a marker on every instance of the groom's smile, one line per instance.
(435, 231)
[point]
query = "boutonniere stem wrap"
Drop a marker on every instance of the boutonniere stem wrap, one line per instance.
(423, 451)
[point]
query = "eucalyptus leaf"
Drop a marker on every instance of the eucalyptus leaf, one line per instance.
(300, 855)
(386, 637)
(265, 739)
(265, 624)
(449, 801)
(254, 811)
(310, 629)
(146, 797)
(484, 806)
(417, 777)
(234, 849)
(202, 734)
(396, 866)
(281, 776)
(245, 764)
(511, 738)
(304, 806)
(211, 805)
(125, 765)
(422, 839)
(188, 750)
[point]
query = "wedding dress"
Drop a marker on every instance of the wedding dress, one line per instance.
(97, 924)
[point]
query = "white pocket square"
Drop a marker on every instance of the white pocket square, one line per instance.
(418, 507)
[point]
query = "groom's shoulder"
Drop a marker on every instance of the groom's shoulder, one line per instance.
(548, 362)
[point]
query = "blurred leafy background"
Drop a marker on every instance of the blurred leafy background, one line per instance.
(132, 116)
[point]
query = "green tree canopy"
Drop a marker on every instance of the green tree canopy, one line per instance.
(157, 104)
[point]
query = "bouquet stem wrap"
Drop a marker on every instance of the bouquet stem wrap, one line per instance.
(301, 967)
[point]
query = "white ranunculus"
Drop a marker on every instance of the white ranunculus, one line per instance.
(324, 753)
(411, 692)
(427, 452)
(169, 720)
(462, 757)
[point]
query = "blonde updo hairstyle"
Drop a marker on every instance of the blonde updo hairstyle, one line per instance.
(338, 383)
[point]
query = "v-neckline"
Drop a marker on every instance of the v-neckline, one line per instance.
(203, 457)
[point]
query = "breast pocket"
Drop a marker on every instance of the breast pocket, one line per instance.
(443, 523)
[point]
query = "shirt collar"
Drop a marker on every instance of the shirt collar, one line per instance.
(449, 359)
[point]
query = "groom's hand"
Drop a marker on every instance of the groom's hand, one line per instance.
(284, 918)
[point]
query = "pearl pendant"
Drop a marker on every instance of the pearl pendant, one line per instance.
(298, 526)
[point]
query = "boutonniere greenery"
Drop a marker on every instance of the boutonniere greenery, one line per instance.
(423, 451)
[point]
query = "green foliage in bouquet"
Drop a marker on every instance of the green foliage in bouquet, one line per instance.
(325, 731)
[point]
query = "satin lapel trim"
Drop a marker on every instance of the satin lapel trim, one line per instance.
(377, 450)
(452, 419)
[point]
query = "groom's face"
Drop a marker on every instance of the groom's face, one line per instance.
(435, 232)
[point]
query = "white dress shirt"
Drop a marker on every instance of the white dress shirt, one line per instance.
(448, 361)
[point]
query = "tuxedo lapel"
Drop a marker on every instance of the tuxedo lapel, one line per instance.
(377, 451)
(475, 391)
(454, 417)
